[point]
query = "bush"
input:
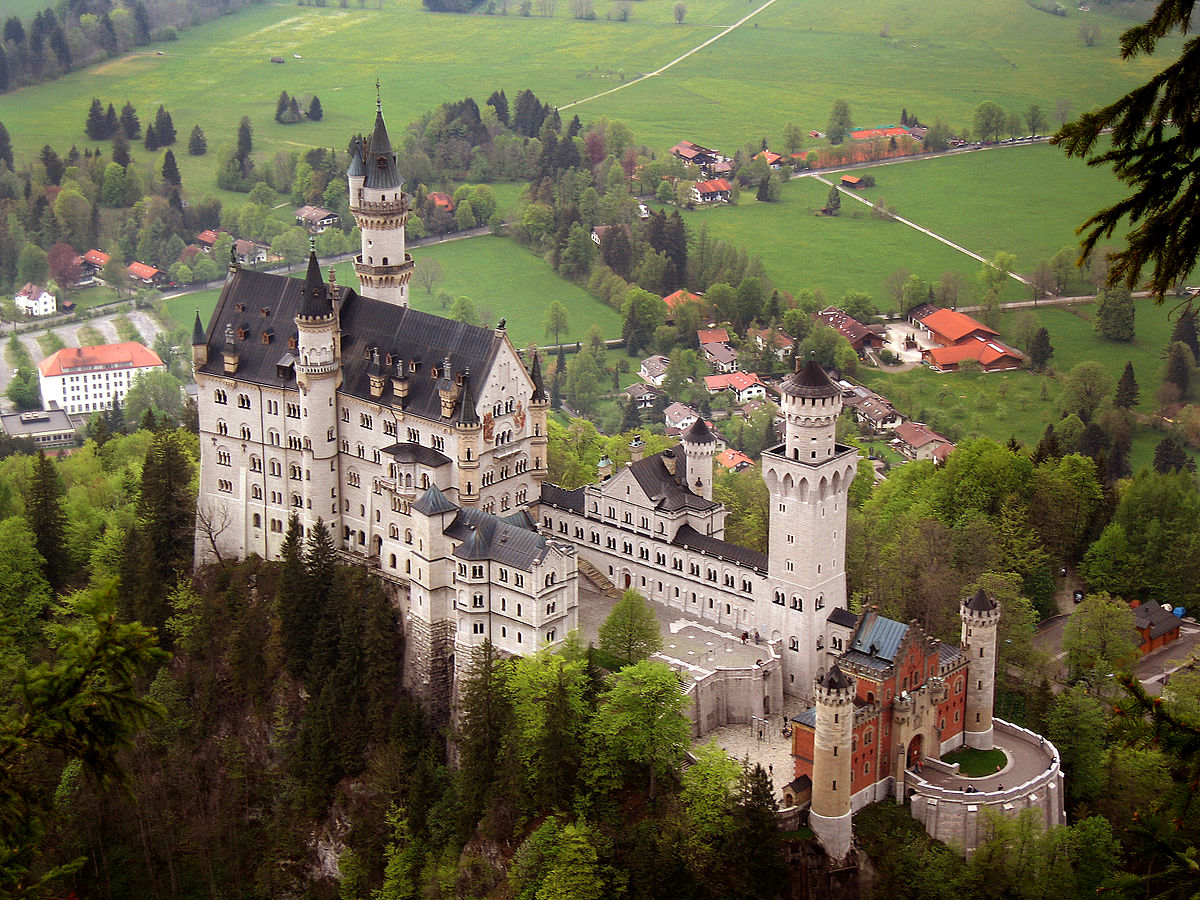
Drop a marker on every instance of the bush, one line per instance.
(164, 34)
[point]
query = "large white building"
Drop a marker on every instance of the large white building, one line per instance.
(34, 300)
(82, 380)
(421, 443)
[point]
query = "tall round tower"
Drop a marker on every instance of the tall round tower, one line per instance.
(699, 446)
(811, 404)
(980, 621)
(318, 375)
(380, 207)
(829, 815)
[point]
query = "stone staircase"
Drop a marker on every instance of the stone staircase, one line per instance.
(598, 578)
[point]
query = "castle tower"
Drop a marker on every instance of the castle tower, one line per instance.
(539, 406)
(318, 375)
(980, 621)
(470, 446)
(380, 208)
(829, 815)
(808, 477)
(699, 446)
(199, 344)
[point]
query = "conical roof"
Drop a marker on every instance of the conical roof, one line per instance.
(811, 382)
(467, 414)
(699, 433)
(382, 172)
(982, 602)
(198, 332)
(316, 303)
(539, 391)
(835, 679)
(433, 502)
(357, 169)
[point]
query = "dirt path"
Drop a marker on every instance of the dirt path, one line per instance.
(916, 227)
(720, 34)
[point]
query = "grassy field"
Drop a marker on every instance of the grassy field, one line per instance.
(500, 276)
(791, 62)
(1021, 404)
(986, 201)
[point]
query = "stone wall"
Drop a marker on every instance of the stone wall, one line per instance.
(957, 818)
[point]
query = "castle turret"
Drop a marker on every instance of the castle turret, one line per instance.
(318, 375)
(699, 447)
(380, 208)
(199, 344)
(539, 406)
(808, 477)
(980, 622)
(829, 815)
(470, 435)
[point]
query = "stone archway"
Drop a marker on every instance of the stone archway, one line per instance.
(915, 750)
(628, 580)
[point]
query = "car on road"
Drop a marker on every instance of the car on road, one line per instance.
(1077, 595)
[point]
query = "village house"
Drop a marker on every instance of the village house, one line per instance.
(678, 417)
(745, 386)
(654, 369)
(861, 337)
(45, 427)
(918, 441)
(316, 219)
(761, 336)
(694, 154)
(774, 160)
(722, 357)
(716, 190)
(207, 238)
(600, 231)
(35, 300)
(853, 182)
(442, 200)
(248, 252)
(1156, 625)
(733, 460)
(87, 379)
(144, 274)
(871, 411)
(678, 299)
(91, 264)
(963, 338)
(642, 396)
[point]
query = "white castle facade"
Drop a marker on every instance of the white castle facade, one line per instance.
(421, 444)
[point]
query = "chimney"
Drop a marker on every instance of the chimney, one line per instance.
(231, 351)
(637, 448)
(377, 378)
(668, 458)
(400, 384)
(605, 468)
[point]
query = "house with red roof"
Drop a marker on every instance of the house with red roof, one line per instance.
(746, 386)
(444, 200)
(716, 190)
(87, 379)
(207, 238)
(1155, 624)
(35, 300)
(145, 274)
(693, 153)
(680, 297)
(774, 160)
(316, 218)
(948, 327)
(712, 336)
(733, 460)
(781, 342)
(887, 131)
(851, 181)
(861, 337)
(93, 261)
(918, 441)
(992, 355)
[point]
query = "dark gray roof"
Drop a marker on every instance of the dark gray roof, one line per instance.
(467, 413)
(691, 539)
(947, 653)
(1158, 620)
(487, 536)
(844, 617)
(808, 717)
(382, 172)
(198, 331)
(433, 502)
(699, 433)
(811, 382)
(367, 324)
(835, 679)
(879, 637)
(316, 303)
(539, 392)
(981, 602)
(561, 498)
(416, 453)
(667, 490)
(357, 169)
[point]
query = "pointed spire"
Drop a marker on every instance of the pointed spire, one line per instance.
(539, 391)
(812, 381)
(315, 303)
(382, 172)
(357, 169)
(699, 433)
(198, 332)
(467, 414)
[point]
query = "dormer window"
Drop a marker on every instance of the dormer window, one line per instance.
(381, 162)
(241, 334)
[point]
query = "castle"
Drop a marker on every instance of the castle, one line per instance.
(420, 443)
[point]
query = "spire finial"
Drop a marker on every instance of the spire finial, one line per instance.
(378, 101)
(312, 244)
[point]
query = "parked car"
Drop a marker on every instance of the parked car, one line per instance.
(1077, 596)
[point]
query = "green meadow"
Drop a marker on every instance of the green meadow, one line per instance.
(501, 277)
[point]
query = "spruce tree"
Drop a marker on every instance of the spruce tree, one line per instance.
(151, 139)
(281, 106)
(1047, 447)
(1127, 388)
(6, 151)
(197, 143)
(1171, 456)
(245, 139)
(485, 716)
(165, 127)
(170, 169)
(1179, 368)
(43, 509)
(5, 72)
(94, 127)
(632, 418)
(314, 109)
(111, 123)
(141, 20)
(1184, 332)
(293, 113)
(131, 126)
(1040, 350)
(321, 595)
(833, 202)
(295, 616)
(120, 151)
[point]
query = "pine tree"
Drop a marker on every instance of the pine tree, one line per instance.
(315, 113)
(6, 151)
(5, 73)
(165, 127)
(1047, 447)
(43, 509)
(112, 124)
(245, 139)
(141, 21)
(94, 127)
(764, 190)
(120, 150)
(197, 143)
(281, 106)
(1171, 456)
(484, 718)
(151, 139)
(293, 113)
(1179, 368)
(295, 616)
(499, 103)
(131, 126)
(1127, 388)
(321, 596)
(1040, 349)
(632, 418)
(170, 169)
(1184, 332)
(833, 203)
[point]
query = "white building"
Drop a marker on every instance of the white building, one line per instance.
(34, 300)
(82, 380)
